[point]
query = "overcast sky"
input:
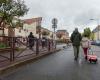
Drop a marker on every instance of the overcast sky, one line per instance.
(70, 13)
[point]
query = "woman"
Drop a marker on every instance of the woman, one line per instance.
(85, 45)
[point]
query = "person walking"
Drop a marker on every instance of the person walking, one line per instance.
(76, 40)
(31, 40)
(85, 45)
(43, 42)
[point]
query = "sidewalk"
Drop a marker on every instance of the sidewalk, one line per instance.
(25, 57)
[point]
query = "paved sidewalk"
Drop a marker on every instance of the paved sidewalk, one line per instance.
(24, 57)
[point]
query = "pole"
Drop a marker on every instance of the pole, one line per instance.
(55, 38)
(39, 33)
(54, 25)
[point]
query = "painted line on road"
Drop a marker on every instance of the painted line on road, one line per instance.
(80, 61)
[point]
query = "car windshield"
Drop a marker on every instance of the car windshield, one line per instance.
(97, 41)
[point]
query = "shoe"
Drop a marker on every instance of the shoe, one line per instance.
(86, 57)
(75, 58)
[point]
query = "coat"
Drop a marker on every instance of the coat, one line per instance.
(76, 38)
(31, 39)
(85, 42)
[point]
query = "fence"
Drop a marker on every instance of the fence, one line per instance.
(19, 47)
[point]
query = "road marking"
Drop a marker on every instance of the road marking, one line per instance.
(80, 62)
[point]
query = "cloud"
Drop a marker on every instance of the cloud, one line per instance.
(70, 13)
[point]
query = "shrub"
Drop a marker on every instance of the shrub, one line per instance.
(2, 45)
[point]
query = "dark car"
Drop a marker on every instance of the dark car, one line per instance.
(93, 42)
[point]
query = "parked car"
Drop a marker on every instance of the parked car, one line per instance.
(98, 42)
(93, 42)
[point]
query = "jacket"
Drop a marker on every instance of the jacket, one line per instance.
(76, 38)
(85, 42)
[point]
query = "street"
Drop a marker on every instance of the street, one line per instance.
(58, 66)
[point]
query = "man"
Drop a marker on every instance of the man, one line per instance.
(31, 40)
(76, 39)
(43, 42)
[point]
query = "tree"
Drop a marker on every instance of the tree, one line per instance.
(92, 36)
(45, 33)
(9, 9)
(87, 32)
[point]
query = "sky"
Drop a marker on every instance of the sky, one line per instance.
(70, 13)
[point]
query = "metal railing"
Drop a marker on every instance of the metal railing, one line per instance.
(14, 43)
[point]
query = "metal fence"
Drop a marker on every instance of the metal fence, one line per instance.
(17, 47)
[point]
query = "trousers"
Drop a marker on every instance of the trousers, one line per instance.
(85, 51)
(76, 51)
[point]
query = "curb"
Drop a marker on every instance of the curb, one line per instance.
(26, 61)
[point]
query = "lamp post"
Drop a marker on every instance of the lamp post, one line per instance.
(39, 28)
(97, 26)
(54, 26)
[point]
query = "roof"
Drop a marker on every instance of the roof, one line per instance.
(32, 20)
(45, 29)
(64, 31)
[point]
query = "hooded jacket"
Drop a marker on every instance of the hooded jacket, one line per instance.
(76, 38)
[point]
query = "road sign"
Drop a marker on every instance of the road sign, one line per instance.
(54, 26)
(54, 21)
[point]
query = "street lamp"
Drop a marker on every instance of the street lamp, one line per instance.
(97, 26)
(54, 26)
(38, 26)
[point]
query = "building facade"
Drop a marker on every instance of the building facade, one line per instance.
(47, 33)
(29, 25)
(62, 35)
(96, 33)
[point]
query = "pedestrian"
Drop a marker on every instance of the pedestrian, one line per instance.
(76, 39)
(43, 42)
(85, 45)
(31, 40)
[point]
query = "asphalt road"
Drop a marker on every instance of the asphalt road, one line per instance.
(58, 66)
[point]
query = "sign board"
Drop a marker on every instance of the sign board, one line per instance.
(54, 26)
(54, 21)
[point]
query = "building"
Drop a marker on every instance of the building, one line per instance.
(32, 25)
(62, 34)
(29, 25)
(47, 33)
(96, 32)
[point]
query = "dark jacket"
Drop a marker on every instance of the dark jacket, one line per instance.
(76, 38)
(31, 38)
